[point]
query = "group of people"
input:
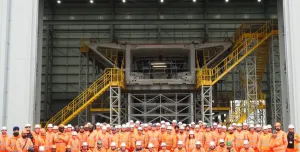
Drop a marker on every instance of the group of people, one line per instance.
(150, 137)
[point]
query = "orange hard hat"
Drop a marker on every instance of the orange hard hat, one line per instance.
(277, 124)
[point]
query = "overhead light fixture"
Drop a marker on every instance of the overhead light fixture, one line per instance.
(124, 1)
(58, 1)
(259, 0)
(159, 66)
(194, 1)
(161, 1)
(91, 1)
(158, 63)
(226, 1)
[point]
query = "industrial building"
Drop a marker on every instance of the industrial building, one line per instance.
(77, 61)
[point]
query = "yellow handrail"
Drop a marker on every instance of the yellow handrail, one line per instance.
(111, 77)
(210, 76)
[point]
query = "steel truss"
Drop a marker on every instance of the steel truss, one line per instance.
(254, 114)
(115, 105)
(206, 104)
(48, 73)
(157, 107)
(83, 83)
(275, 80)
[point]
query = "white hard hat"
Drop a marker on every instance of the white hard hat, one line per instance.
(137, 122)
(124, 126)
(230, 128)
(224, 127)
(74, 133)
(212, 143)
(198, 143)
(215, 124)
(41, 148)
(27, 125)
(131, 121)
(258, 126)
(200, 121)
(98, 124)
(3, 128)
(163, 144)
(192, 123)
(65, 127)
(157, 124)
(174, 121)
(197, 126)
(219, 126)
(49, 126)
(246, 142)
(291, 126)
(239, 125)
(146, 125)
(204, 124)
(37, 126)
(84, 144)
(269, 126)
(140, 128)
(251, 126)
(55, 127)
(108, 126)
(162, 122)
(123, 144)
(168, 124)
(104, 128)
(150, 145)
(221, 140)
(245, 124)
(191, 132)
(179, 123)
(181, 128)
(180, 142)
(112, 144)
(69, 126)
(233, 124)
(169, 128)
(163, 126)
(265, 127)
(131, 126)
(138, 143)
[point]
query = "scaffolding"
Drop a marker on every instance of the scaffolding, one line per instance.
(115, 105)
(158, 107)
(275, 80)
(83, 84)
(206, 104)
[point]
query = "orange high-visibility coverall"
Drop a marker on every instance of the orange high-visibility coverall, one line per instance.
(131, 141)
(277, 145)
(222, 149)
(91, 140)
(164, 150)
(147, 150)
(105, 140)
(190, 144)
(198, 150)
(213, 150)
(199, 136)
(247, 150)
(75, 144)
(38, 141)
(141, 138)
(109, 150)
(11, 144)
(281, 135)
(82, 137)
(60, 142)
(124, 138)
(49, 140)
(239, 138)
(253, 138)
(154, 138)
(208, 135)
(99, 150)
(218, 136)
(296, 143)
(182, 137)
(146, 133)
(114, 138)
(246, 132)
(230, 138)
(179, 150)
(264, 143)
(21, 143)
(3, 143)
(170, 141)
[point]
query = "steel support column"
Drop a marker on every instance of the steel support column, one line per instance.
(275, 81)
(115, 105)
(83, 84)
(206, 104)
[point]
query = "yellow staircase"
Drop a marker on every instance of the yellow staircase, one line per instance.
(245, 44)
(111, 77)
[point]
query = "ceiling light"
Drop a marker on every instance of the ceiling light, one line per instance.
(259, 0)
(194, 1)
(161, 1)
(91, 1)
(124, 1)
(159, 66)
(226, 1)
(158, 63)
(58, 1)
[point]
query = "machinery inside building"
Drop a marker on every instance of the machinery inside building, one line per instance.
(153, 60)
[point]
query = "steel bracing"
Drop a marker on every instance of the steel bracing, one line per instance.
(83, 84)
(206, 104)
(115, 105)
(157, 107)
(275, 80)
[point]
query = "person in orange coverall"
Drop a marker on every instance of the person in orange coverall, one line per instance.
(11, 145)
(293, 139)
(276, 143)
(24, 143)
(154, 137)
(253, 138)
(247, 147)
(74, 142)
(3, 139)
(85, 147)
(169, 139)
(151, 148)
(164, 147)
(222, 147)
(180, 147)
(198, 147)
(212, 147)
(99, 147)
(239, 138)
(264, 141)
(60, 140)
(208, 135)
